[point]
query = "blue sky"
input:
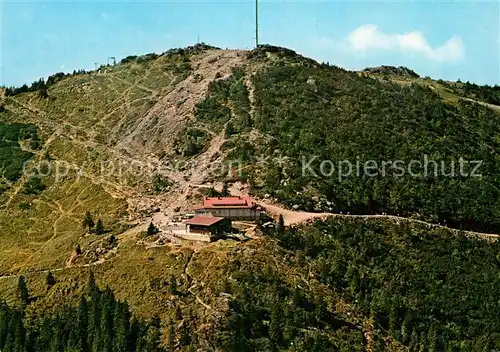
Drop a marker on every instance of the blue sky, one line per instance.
(445, 39)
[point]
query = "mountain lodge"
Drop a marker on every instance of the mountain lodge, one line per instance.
(206, 228)
(233, 208)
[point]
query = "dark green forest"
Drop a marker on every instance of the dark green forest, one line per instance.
(428, 288)
(269, 314)
(12, 157)
(327, 113)
(99, 323)
(488, 94)
(424, 289)
(308, 111)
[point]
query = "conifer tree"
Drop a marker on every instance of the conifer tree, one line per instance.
(134, 335)
(140, 345)
(99, 227)
(173, 285)
(71, 344)
(94, 322)
(413, 347)
(88, 222)
(225, 190)
(42, 92)
(45, 337)
(280, 226)
(22, 290)
(19, 333)
(30, 343)
(393, 320)
(91, 284)
(171, 336)
(155, 321)
(422, 343)
(50, 280)
(152, 230)
(354, 283)
(83, 317)
(297, 297)
(121, 324)
(432, 339)
(178, 313)
(406, 329)
(152, 337)
(106, 324)
(230, 130)
(5, 317)
(275, 331)
(185, 334)
(100, 324)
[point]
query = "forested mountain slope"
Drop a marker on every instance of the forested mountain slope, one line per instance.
(143, 139)
(315, 113)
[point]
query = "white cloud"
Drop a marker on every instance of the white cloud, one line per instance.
(369, 36)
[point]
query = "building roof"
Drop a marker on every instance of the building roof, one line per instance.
(228, 202)
(204, 220)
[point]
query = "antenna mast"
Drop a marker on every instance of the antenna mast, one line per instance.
(256, 23)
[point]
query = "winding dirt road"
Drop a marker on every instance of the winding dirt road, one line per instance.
(291, 217)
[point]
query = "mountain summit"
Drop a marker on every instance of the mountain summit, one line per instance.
(100, 169)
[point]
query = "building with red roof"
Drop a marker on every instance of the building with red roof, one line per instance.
(206, 228)
(234, 208)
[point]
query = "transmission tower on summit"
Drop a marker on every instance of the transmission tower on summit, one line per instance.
(256, 23)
